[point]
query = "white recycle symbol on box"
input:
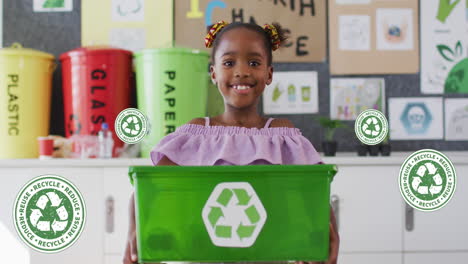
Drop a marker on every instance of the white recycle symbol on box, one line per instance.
(234, 215)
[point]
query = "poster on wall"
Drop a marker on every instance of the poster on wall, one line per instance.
(373, 37)
(444, 47)
(394, 29)
(127, 24)
(416, 118)
(456, 119)
(304, 22)
(354, 32)
(52, 5)
(292, 93)
(350, 96)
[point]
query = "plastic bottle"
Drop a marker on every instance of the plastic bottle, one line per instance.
(106, 143)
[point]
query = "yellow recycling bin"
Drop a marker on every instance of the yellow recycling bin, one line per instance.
(25, 92)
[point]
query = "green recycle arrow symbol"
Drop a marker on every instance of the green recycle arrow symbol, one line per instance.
(215, 214)
(224, 197)
(252, 214)
(243, 231)
(242, 196)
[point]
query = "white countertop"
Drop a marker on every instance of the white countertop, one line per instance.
(342, 158)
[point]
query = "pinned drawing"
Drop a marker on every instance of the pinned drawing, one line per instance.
(456, 119)
(351, 96)
(354, 32)
(394, 29)
(444, 47)
(416, 118)
(291, 93)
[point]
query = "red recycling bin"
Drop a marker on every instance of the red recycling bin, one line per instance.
(96, 87)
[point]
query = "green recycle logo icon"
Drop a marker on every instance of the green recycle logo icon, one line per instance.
(426, 180)
(371, 127)
(49, 214)
(234, 215)
(131, 126)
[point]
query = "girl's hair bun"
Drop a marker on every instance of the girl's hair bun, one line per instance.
(277, 35)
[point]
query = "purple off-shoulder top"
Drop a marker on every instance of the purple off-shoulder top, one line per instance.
(198, 145)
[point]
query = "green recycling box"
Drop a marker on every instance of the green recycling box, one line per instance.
(232, 213)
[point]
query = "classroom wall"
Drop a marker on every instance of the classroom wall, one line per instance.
(59, 32)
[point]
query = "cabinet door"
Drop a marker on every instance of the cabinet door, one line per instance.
(88, 248)
(12, 180)
(370, 208)
(117, 193)
(446, 228)
(435, 258)
(370, 258)
(113, 259)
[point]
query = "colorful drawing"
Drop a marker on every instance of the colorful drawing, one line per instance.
(351, 96)
(394, 29)
(415, 118)
(291, 93)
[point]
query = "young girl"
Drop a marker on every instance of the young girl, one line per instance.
(241, 68)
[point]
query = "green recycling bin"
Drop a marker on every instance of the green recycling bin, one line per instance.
(232, 213)
(172, 86)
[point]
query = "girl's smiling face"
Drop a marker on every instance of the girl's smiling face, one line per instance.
(241, 69)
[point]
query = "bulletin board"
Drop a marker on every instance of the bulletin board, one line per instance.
(127, 24)
(304, 20)
(382, 35)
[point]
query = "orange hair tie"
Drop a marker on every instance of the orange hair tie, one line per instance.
(210, 37)
(274, 36)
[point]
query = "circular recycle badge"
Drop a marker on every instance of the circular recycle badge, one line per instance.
(427, 180)
(131, 126)
(49, 214)
(371, 127)
(234, 215)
